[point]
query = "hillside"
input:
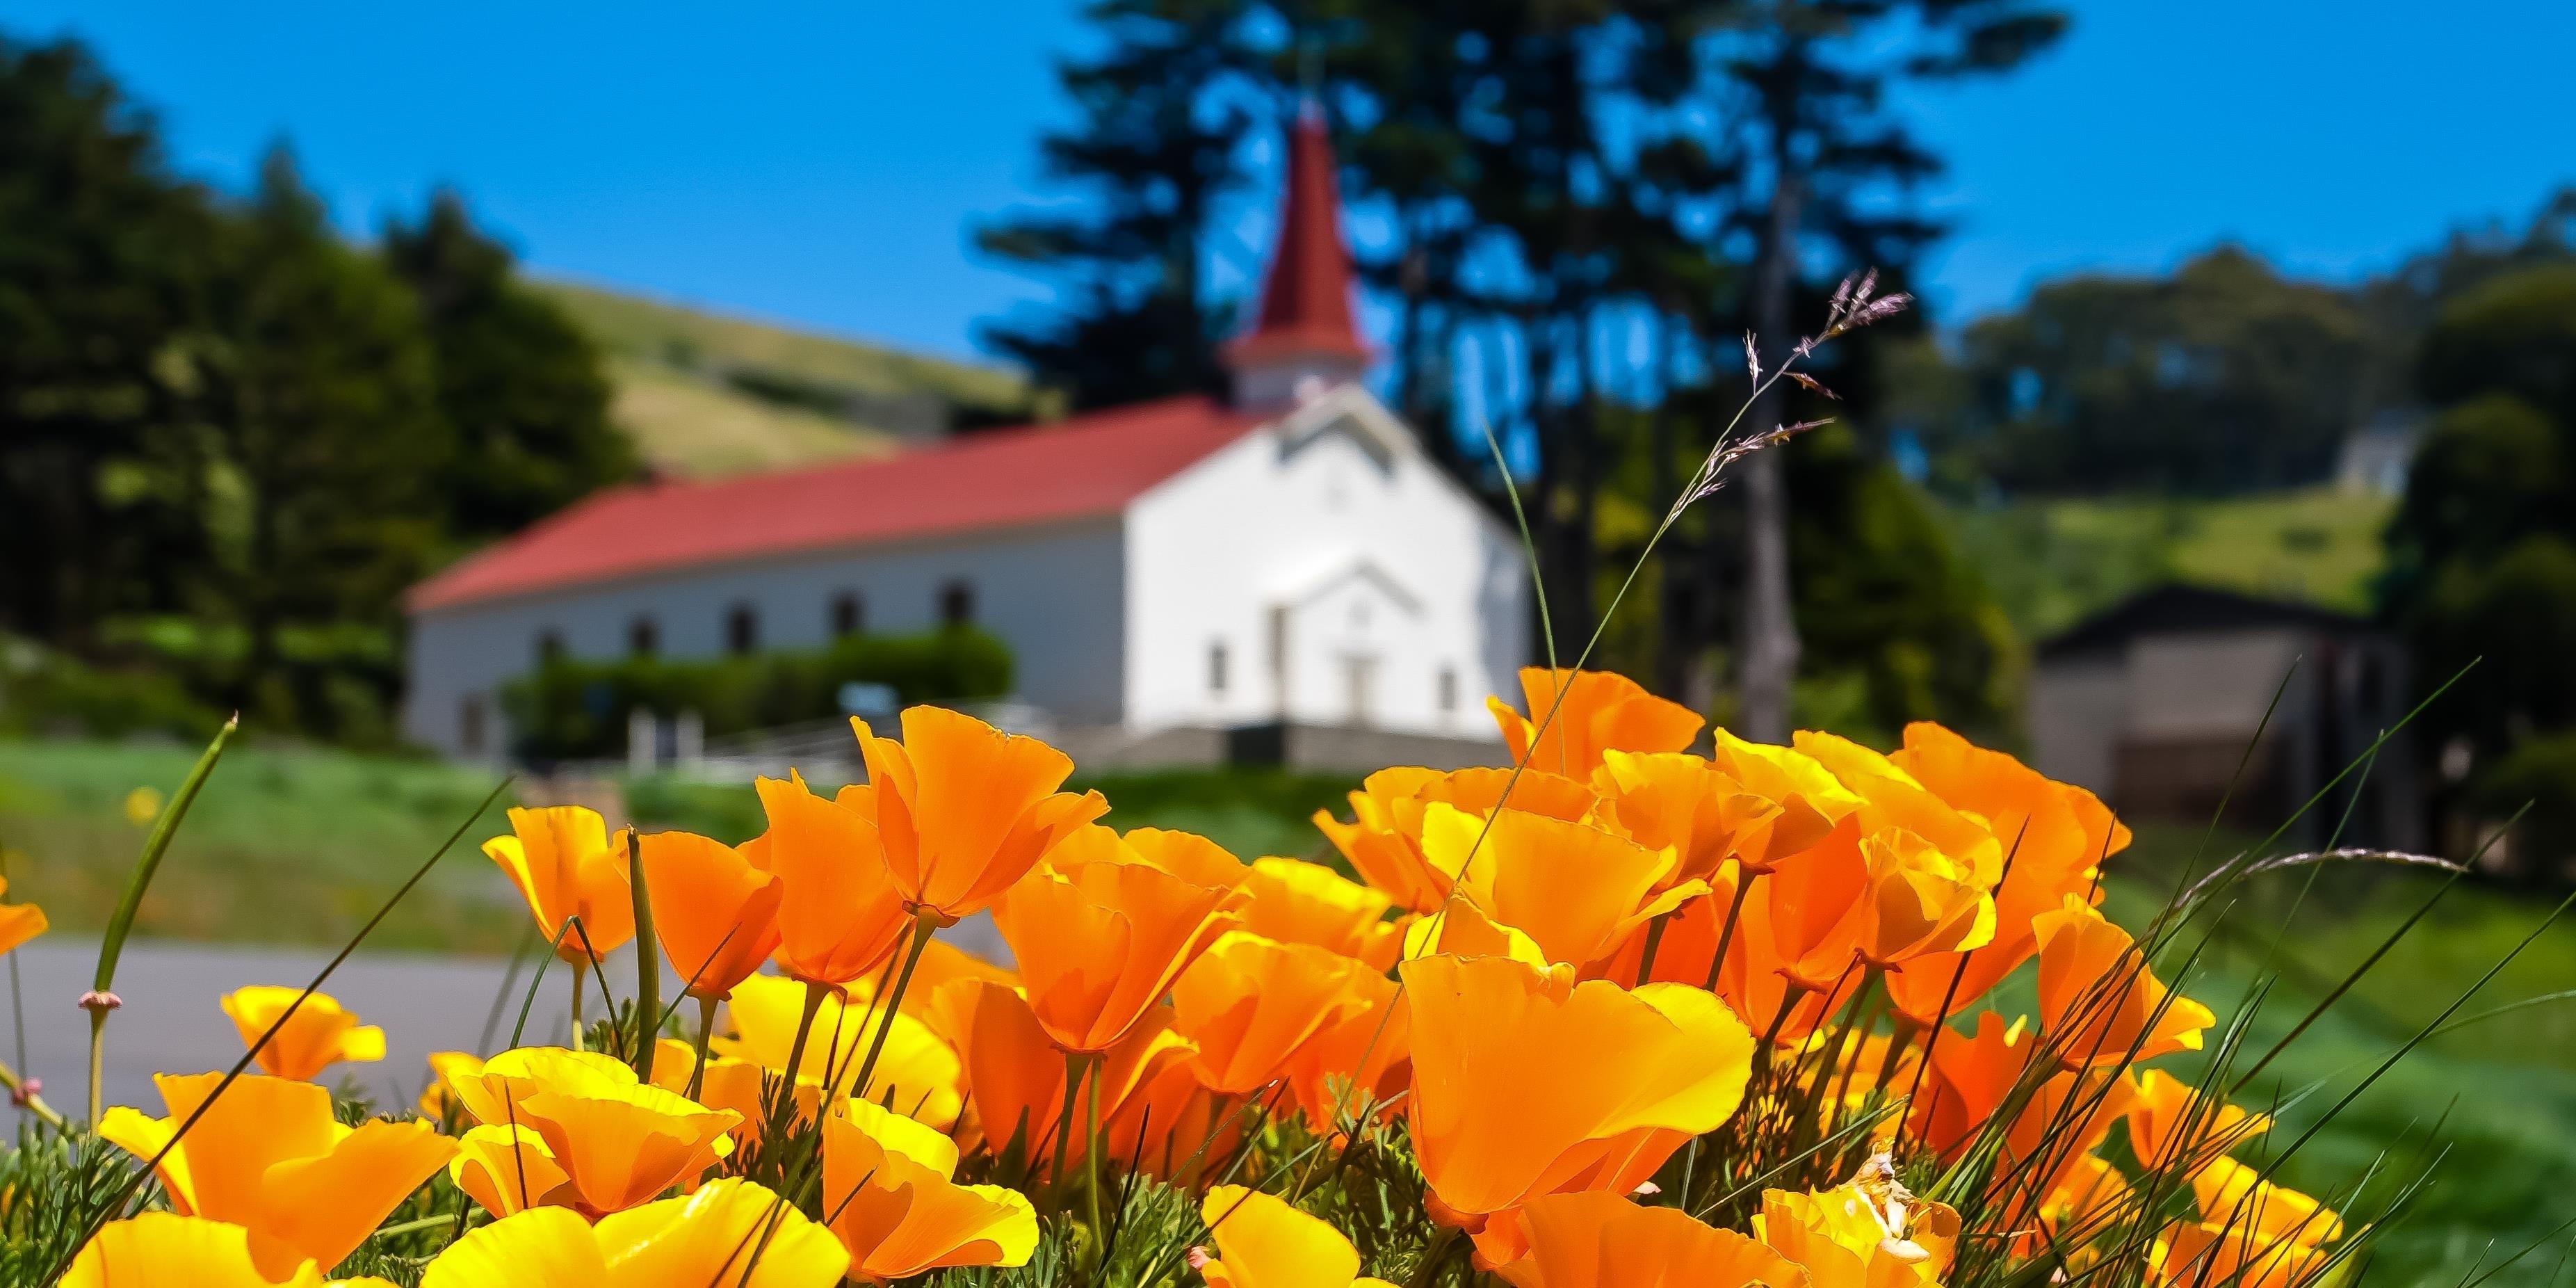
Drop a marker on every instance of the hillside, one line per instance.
(2051, 562)
(705, 394)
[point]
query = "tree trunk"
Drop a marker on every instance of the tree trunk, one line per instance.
(1770, 619)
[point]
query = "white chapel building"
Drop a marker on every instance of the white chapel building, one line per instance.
(1285, 569)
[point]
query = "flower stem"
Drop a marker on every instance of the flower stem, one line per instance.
(648, 962)
(35, 1104)
(1726, 931)
(1091, 1155)
(576, 1011)
(706, 1030)
(924, 922)
(814, 992)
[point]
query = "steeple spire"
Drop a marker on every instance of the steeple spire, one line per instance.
(1303, 337)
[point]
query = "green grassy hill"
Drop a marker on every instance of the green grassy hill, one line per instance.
(705, 394)
(2051, 562)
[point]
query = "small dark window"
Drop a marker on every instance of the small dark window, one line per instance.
(469, 724)
(956, 604)
(849, 616)
(1448, 688)
(643, 639)
(1216, 667)
(742, 629)
(550, 647)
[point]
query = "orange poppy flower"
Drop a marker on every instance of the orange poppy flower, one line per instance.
(1595, 1240)
(1100, 945)
(320, 1033)
(1577, 891)
(1252, 1005)
(2054, 836)
(942, 963)
(1601, 711)
(1890, 797)
(2172, 1126)
(1526, 1082)
(565, 865)
(1187, 855)
(1816, 906)
(839, 912)
(435, 1103)
(2087, 1202)
(618, 1140)
(2066, 1118)
(1297, 902)
(1384, 839)
(269, 1156)
(705, 1238)
(1704, 814)
(2099, 1002)
(889, 1197)
(1262, 1241)
(19, 922)
(917, 1066)
(714, 911)
(964, 809)
(1015, 1074)
(1967, 1081)
(166, 1248)
(1866, 1233)
(1920, 901)
(1359, 1063)
(1170, 1127)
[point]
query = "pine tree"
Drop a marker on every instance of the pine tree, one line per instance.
(1164, 114)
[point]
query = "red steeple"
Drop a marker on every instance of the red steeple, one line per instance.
(1306, 300)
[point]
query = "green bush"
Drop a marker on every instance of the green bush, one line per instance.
(573, 709)
(45, 692)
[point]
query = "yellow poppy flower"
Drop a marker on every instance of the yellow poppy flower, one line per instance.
(918, 1066)
(1383, 840)
(508, 1169)
(706, 1238)
(2192, 1254)
(1262, 1241)
(269, 1156)
(1860, 1235)
(1595, 1240)
(620, 1142)
(2232, 1194)
(320, 1034)
(565, 865)
(1297, 902)
(889, 1198)
(154, 1249)
(435, 1100)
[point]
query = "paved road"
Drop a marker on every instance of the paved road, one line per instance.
(171, 1024)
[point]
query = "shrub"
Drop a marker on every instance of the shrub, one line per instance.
(571, 709)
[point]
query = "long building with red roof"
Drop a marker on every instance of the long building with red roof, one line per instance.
(1286, 557)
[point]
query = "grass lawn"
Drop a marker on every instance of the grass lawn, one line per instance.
(2051, 562)
(283, 846)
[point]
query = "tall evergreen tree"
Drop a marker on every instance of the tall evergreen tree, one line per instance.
(319, 435)
(520, 387)
(1802, 85)
(1163, 115)
(102, 253)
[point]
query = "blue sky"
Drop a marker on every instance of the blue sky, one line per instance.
(820, 162)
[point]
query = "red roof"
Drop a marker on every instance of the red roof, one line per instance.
(1078, 468)
(1306, 300)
